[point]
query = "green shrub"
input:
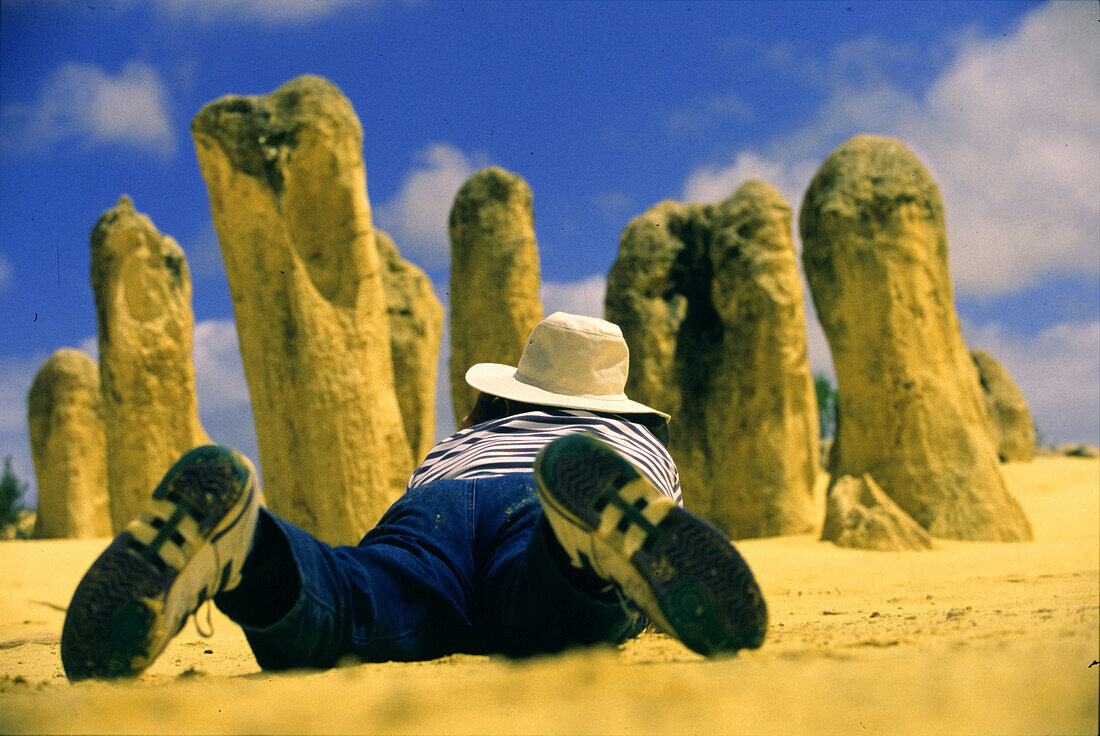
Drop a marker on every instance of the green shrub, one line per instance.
(826, 405)
(11, 494)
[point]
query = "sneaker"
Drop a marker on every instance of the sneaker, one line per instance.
(188, 544)
(680, 571)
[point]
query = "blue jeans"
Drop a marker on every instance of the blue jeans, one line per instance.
(453, 566)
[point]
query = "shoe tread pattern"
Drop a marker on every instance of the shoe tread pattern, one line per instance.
(206, 487)
(109, 625)
(703, 586)
(581, 483)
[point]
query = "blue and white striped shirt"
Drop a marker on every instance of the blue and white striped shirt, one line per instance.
(510, 444)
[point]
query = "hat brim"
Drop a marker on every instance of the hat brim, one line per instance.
(500, 380)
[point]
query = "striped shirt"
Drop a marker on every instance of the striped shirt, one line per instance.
(510, 444)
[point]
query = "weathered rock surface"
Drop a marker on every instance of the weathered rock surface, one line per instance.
(69, 448)
(710, 303)
(288, 194)
(416, 327)
(143, 310)
(911, 412)
(860, 515)
(494, 276)
(1012, 424)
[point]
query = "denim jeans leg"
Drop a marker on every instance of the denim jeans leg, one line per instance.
(453, 566)
(402, 594)
(531, 601)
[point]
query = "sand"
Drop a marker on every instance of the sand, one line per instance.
(968, 638)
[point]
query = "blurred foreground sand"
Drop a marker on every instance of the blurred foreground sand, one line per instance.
(968, 638)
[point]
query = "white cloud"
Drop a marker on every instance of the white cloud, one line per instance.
(1058, 372)
(1010, 130)
(858, 95)
(578, 297)
(878, 110)
(716, 183)
(699, 118)
(5, 273)
(417, 215)
(270, 12)
(82, 102)
(219, 373)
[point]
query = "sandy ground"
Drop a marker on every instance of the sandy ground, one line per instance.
(968, 638)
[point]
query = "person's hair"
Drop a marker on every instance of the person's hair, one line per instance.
(489, 406)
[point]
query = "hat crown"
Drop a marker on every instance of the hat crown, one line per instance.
(569, 361)
(576, 355)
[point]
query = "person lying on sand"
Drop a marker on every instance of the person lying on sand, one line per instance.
(552, 519)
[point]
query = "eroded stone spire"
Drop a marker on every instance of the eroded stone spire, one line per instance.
(143, 310)
(288, 194)
(710, 302)
(494, 276)
(69, 447)
(416, 327)
(911, 413)
(1009, 416)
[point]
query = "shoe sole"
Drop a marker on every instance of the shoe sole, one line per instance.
(682, 573)
(132, 600)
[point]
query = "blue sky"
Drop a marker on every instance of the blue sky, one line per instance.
(604, 108)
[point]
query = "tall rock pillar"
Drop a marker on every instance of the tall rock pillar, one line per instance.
(494, 276)
(710, 302)
(416, 327)
(288, 194)
(1010, 418)
(762, 405)
(69, 448)
(911, 413)
(143, 311)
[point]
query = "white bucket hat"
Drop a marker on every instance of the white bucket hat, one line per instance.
(570, 361)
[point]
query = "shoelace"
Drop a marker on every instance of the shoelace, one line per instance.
(206, 605)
